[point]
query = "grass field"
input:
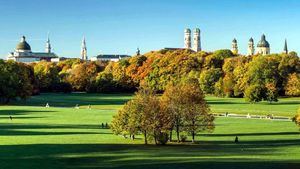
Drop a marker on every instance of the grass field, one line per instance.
(64, 137)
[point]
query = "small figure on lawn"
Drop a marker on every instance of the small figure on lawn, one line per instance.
(102, 125)
(248, 116)
(47, 105)
(106, 125)
(89, 107)
(236, 139)
(77, 106)
(10, 117)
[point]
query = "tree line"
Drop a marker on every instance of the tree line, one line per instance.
(220, 73)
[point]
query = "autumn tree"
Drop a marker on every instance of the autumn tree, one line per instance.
(143, 114)
(47, 74)
(81, 76)
(196, 113)
(187, 107)
(16, 81)
(292, 87)
(296, 119)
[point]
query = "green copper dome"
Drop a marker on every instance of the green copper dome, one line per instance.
(263, 42)
(23, 45)
(187, 30)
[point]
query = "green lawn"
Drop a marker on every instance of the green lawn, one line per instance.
(284, 107)
(64, 137)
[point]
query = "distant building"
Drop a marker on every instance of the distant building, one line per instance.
(24, 54)
(263, 46)
(251, 48)
(196, 40)
(187, 39)
(285, 48)
(113, 58)
(83, 50)
(234, 48)
(138, 52)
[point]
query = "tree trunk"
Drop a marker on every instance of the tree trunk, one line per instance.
(177, 132)
(171, 132)
(155, 137)
(193, 136)
(145, 135)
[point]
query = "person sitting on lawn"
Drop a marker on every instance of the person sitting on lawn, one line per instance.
(236, 139)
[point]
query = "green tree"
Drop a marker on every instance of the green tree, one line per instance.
(254, 93)
(208, 78)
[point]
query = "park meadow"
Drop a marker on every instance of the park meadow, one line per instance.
(162, 109)
(62, 136)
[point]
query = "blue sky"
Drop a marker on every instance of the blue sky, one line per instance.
(120, 26)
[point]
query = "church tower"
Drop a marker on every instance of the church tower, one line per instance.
(263, 46)
(285, 49)
(138, 52)
(48, 46)
(187, 39)
(251, 48)
(234, 49)
(83, 50)
(197, 40)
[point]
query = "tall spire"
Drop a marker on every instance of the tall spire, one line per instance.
(285, 49)
(48, 45)
(83, 50)
(138, 52)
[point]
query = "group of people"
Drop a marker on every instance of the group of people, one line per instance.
(76, 106)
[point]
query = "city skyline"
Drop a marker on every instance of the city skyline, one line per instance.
(120, 27)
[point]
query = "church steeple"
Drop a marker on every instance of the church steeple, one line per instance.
(48, 45)
(285, 49)
(138, 52)
(83, 50)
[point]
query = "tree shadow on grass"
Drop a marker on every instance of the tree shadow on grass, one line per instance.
(15, 129)
(250, 134)
(72, 99)
(22, 112)
(224, 155)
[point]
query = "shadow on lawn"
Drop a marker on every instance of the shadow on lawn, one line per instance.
(251, 134)
(224, 155)
(15, 129)
(21, 112)
(72, 99)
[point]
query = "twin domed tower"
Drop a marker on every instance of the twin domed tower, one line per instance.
(263, 47)
(196, 39)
